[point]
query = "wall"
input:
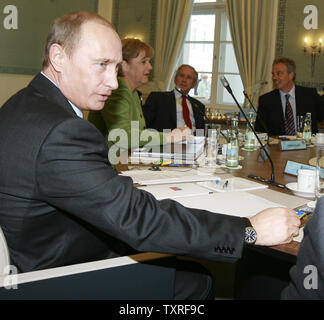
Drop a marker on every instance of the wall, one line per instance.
(290, 39)
(137, 19)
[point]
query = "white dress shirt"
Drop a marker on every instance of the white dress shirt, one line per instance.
(180, 120)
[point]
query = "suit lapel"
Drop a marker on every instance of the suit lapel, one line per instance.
(173, 105)
(46, 88)
(278, 104)
(298, 99)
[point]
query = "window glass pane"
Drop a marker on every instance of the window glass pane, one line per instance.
(225, 29)
(227, 60)
(235, 82)
(203, 87)
(201, 28)
(200, 56)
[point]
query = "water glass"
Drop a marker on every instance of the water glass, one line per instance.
(300, 123)
(211, 146)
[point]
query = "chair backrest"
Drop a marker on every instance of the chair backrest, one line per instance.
(4, 255)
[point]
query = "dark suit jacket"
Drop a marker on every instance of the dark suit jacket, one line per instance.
(270, 110)
(160, 111)
(307, 276)
(62, 203)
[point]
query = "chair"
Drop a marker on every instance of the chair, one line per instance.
(135, 277)
(4, 255)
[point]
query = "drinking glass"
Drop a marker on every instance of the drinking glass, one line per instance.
(211, 145)
(300, 124)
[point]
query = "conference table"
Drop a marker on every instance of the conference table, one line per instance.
(276, 261)
(251, 164)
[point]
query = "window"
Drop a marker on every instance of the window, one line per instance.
(208, 47)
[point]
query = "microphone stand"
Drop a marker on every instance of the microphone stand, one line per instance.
(261, 121)
(253, 176)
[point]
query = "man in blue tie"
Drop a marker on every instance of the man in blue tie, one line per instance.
(279, 108)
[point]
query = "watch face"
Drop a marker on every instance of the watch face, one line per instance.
(250, 235)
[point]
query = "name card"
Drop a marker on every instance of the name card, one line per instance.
(293, 145)
(292, 168)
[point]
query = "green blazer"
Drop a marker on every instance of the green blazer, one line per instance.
(122, 122)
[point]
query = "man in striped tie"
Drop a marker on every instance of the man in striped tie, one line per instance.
(279, 108)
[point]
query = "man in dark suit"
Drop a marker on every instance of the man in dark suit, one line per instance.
(165, 110)
(62, 203)
(307, 276)
(271, 115)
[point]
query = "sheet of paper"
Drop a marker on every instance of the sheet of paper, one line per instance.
(170, 175)
(232, 184)
(241, 204)
(177, 190)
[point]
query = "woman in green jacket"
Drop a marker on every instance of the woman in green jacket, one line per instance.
(121, 121)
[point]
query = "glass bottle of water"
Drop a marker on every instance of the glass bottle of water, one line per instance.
(232, 152)
(307, 130)
(249, 140)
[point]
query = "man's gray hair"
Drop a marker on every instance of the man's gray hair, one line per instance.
(188, 66)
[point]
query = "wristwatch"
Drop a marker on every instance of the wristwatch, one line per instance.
(250, 234)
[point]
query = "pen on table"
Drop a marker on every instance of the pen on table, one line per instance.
(225, 184)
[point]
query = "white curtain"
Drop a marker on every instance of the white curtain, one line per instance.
(253, 28)
(172, 22)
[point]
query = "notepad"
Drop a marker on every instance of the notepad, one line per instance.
(232, 184)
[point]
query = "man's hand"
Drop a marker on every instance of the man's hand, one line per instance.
(178, 134)
(275, 226)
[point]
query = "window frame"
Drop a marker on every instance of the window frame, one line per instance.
(218, 9)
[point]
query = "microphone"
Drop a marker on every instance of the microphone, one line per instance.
(253, 176)
(180, 91)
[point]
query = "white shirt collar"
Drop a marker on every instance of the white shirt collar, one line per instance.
(76, 109)
(291, 92)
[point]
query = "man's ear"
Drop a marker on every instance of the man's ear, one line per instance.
(57, 57)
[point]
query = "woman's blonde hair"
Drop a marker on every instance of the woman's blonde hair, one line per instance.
(132, 48)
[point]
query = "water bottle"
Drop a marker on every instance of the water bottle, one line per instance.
(307, 130)
(232, 152)
(249, 140)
